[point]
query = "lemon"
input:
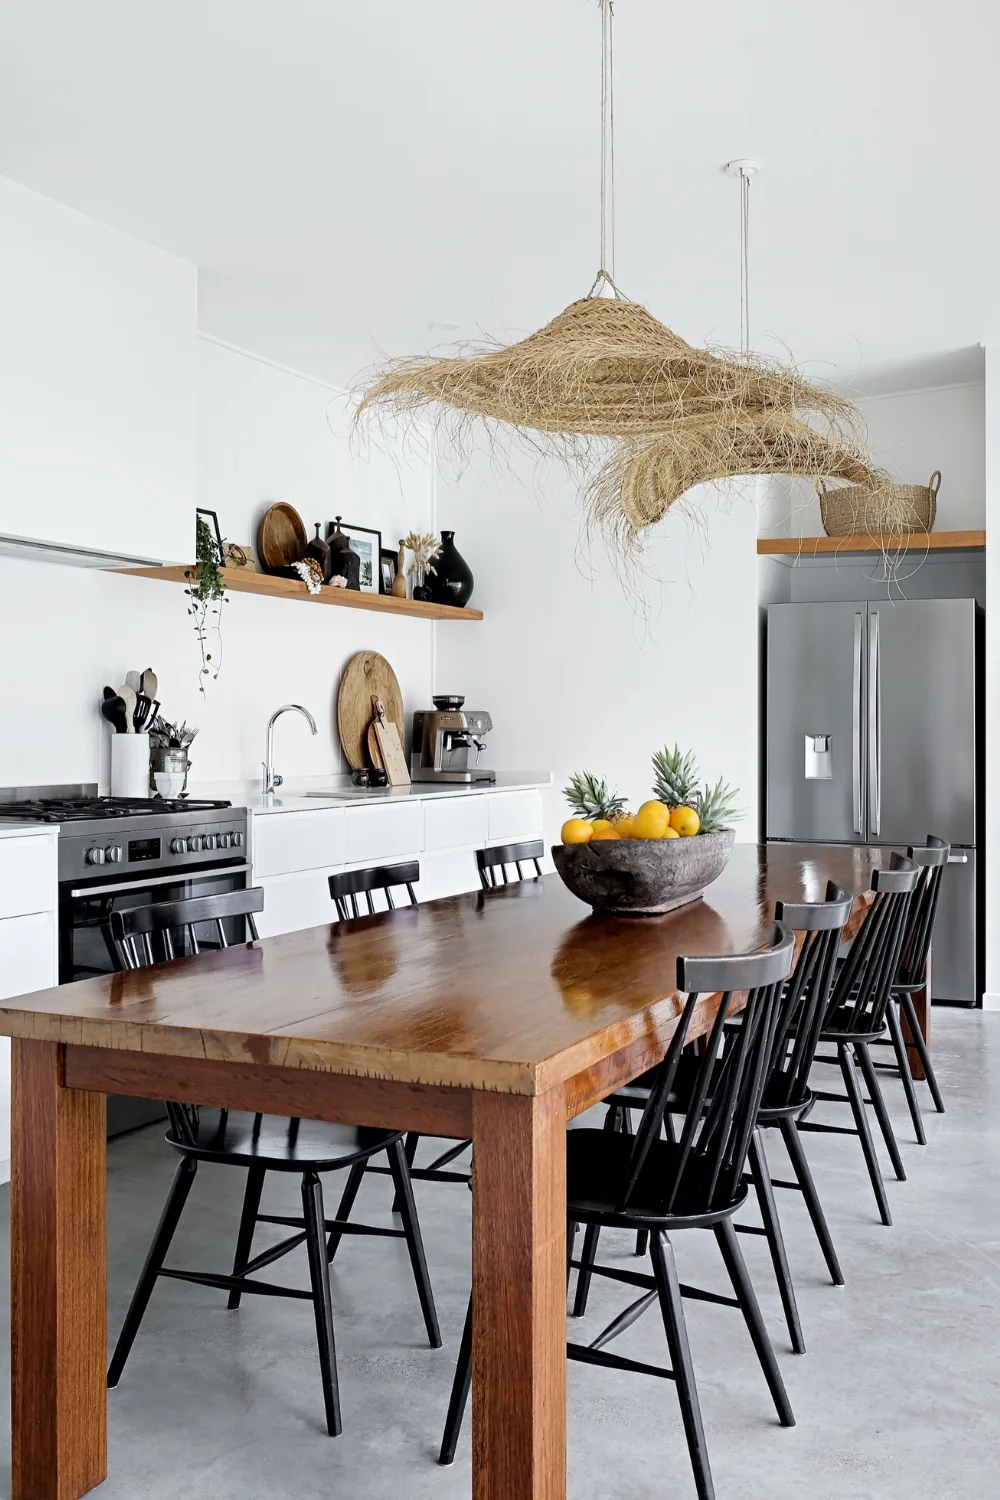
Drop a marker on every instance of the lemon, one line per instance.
(576, 831)
(670, 833)
(608, 831)
(624, 825)
(651, 821)
(685, 821)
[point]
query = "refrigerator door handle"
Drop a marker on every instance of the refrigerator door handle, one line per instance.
(958, 859)
(856, 724)
(874, 746)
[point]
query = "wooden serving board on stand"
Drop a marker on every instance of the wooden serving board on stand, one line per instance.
(390, 747)
(367, 675)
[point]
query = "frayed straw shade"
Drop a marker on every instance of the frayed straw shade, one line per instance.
(671, 416)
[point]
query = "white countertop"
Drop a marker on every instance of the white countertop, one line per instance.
(309, 794)
(14, 828)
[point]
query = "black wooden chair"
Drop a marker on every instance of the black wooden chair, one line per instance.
(695, 1182)
(261, 1144)
(856, 1017)
(786, 1098)
(931, 859)
(490, 861)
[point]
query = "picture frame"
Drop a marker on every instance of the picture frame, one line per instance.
(389, 563)
(367, 545)
(211, 519)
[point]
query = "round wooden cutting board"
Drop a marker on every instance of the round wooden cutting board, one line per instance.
(366, 673)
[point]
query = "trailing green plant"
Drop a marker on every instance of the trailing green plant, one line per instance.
(206, 596)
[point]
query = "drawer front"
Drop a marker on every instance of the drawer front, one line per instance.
(292, 902)
(514, 815)
(27, 875)
(286, 842)
(384, 833)
(27, 954)
(455, 822)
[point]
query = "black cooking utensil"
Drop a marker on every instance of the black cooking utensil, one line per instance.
(114, 711)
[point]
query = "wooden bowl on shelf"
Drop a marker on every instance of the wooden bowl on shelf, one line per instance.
(281, 537)
(643, 877)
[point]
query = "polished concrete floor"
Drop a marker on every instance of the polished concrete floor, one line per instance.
(897, 1398)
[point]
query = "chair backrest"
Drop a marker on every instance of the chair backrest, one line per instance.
(711, 1153)
(931, 859)
(175, 923)
(345, 889)
(862, 989)
(489, 861)
(806, 997)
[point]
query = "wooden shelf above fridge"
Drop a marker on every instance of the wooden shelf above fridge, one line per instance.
(914, 541)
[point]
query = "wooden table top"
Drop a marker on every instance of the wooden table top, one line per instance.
(517, 990)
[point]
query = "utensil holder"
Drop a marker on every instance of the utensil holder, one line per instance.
(130, 765)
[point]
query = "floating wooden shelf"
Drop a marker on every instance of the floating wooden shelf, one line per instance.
(913, 541)
(240, 581)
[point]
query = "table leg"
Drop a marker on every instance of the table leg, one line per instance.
(58, 1280)
(519, 1297)
(922, 1006)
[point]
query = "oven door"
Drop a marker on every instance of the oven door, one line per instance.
(86, 947)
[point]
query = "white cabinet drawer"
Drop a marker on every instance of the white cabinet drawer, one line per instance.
(455, 822)
(292, 902)
(27, 954)
(284, 842)
(513, 815)
(27, 875)
(377, 833)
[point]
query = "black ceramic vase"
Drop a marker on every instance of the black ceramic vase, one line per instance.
(452, 581)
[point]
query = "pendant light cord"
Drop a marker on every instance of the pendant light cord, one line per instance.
(744, 263)
(607, 140)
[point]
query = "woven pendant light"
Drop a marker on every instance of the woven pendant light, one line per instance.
(641, 414)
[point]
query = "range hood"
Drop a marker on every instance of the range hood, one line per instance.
(34, 550)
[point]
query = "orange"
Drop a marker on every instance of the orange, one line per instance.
(600, 824)
(576, 831)
(670, 833)
(623, 823)
(685, 821)
(651, 821)
(607, 831)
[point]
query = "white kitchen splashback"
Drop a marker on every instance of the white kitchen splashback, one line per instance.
(263, 435)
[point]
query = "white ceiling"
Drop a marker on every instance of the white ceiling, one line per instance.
(347, 174)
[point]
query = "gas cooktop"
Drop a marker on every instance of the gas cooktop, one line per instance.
(76, 809)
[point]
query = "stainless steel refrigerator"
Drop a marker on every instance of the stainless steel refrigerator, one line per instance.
(873, 737)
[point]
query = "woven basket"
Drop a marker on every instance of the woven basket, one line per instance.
(856, 510)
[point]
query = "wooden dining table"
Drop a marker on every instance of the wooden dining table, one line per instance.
(497, 1016)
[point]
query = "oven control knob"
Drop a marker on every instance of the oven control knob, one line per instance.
(224, 840)
(95, 856)
(113, 854)
(178, 846)
(237, 841)
(194, 843)
(208, 842)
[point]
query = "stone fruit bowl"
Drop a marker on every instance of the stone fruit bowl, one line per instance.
(643, 877)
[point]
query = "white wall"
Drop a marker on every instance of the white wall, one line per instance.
(263, 435)
(911, 433)
(570, 673)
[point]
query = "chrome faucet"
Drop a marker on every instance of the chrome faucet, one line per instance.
(271, 780)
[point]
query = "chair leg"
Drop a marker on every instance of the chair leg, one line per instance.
(587, 1259)
(460, 1388)
(248, 1223)
(878, 1105)
(400, 1168)
(319, 1277)
(804, 1178)
(847, 1067)
(355, 1177)
(742, 1286)
(675, 1327)
(572, 1230)
(775, 1239)
(917, 1037)
(155, 1256)
(903, 1061)
(410, 1150)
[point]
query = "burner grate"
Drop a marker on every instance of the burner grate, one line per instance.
(78, 809)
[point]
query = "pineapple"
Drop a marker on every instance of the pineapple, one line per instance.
(591, 798)
(676, 777)
(716, 807)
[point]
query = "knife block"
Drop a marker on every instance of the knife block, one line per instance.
(130, 765)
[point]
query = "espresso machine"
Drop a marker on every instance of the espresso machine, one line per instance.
(448, 741)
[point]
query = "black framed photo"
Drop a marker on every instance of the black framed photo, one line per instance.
(367, 545)
(389, 562)
(211, 520)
